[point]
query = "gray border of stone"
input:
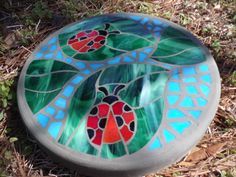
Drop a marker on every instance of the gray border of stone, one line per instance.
(140, 162)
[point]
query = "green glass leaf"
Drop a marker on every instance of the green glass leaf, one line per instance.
(175, 47)
(44, 80)
(80, 104)
(128, 39)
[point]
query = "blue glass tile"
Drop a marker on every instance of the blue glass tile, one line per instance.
(48, 56)
(60, 102)
(195, 114)
(60, 115)
(38, 55)
(180, 126)
(157, 29)
(187, 102)
(86, 71)
(189, 71)
(201, 101)
(50, 110)
(80, 65)
(136, 18)
(77, 79)
(175, 113)
(190, 79)
(59, 55)
(206, 78)
(191, 89)
(203, 68)
(205, 89)
(134, 54)
(142, 56)
(42, 120)
(44, 48)
(53, 40)
(144, 20)
(54, 129)
(128, 59)
(68, 91)
(157, 22)
(114, 61)
(155, 144)
(173, 87)
(68, 60)
(53, 47)
(96, 65)
(148, 50)
(168, 136)
(172, 99)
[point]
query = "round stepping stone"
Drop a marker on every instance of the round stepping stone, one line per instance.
(119, 94)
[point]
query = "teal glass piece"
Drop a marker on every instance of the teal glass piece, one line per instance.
(110, 151)
(203, 68)
(201, 101)
(189, 79)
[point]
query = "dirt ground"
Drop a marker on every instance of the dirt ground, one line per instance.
(25, 23)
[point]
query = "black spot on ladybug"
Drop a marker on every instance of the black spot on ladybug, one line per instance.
(127, 108)
(103, 32)
(102, 42)
(94, 111)
(90, 50)
(131, 126)
(90, 43)
(73, 37)
(90, 133)
(110, 99)
(119, 121)
(88, 31)
(82, 38)
(102, 123)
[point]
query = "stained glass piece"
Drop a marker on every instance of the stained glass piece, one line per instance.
(113, 92)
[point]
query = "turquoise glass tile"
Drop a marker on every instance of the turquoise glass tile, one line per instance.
(60, 102)
(54, 129)
(203, 68)
(168, 136)
(191, 90)
(77, 79)
(60, 114)
(195, 113)
(42, 120)
(201, 101)
(190, 79)
(180, 126)
(173, 87)
(175, 113)
(206, 78)
(68, 90)
(172, 99)
(80, 65)
(189, 71)
(50, 110)
(155, 144)
(187, 102)
(205, 89)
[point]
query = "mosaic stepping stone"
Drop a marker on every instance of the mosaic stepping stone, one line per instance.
(119, 94)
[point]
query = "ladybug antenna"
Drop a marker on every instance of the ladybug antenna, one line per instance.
(103, 90)
(118, 89)
(107, 26)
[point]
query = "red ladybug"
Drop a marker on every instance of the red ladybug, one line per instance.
(110, 121)
(90, 40)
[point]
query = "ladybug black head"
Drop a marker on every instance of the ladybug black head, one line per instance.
(105, 32)
(111, 98)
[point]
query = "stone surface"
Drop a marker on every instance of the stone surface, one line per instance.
(117, 91)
